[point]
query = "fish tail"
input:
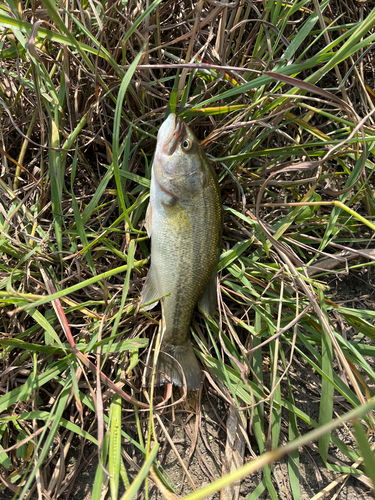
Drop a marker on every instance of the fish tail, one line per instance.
(169, 370)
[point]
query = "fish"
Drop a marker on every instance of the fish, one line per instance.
(184, 222)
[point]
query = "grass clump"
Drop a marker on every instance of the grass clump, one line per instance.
(281, 95)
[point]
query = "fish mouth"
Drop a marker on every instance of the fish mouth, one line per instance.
(170, 145)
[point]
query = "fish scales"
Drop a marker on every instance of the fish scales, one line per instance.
(184, 222)
(184, 253)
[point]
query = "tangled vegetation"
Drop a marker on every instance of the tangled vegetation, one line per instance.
(281, 94)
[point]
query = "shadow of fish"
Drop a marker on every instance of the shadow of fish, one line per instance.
(184, 222)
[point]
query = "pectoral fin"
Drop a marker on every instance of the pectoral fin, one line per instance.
(149, 291)
(149, 220)
(208, 302)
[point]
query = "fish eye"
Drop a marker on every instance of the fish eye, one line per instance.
(187, 144)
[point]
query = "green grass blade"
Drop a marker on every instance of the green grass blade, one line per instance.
(141, 476)
(326, 400)
(59, 407)
(114, 456)
(78, 286)
(116, 131)
(366, 450)
(77, 216)
(99, 475)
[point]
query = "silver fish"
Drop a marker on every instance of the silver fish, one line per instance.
(184, 222)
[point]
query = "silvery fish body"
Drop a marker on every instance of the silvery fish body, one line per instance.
(184, 222)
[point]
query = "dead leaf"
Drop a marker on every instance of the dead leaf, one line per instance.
(234, 452)
(340, 258)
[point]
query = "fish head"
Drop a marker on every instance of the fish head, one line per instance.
(180, 164)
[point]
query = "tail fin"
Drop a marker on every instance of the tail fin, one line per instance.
(168, 369)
